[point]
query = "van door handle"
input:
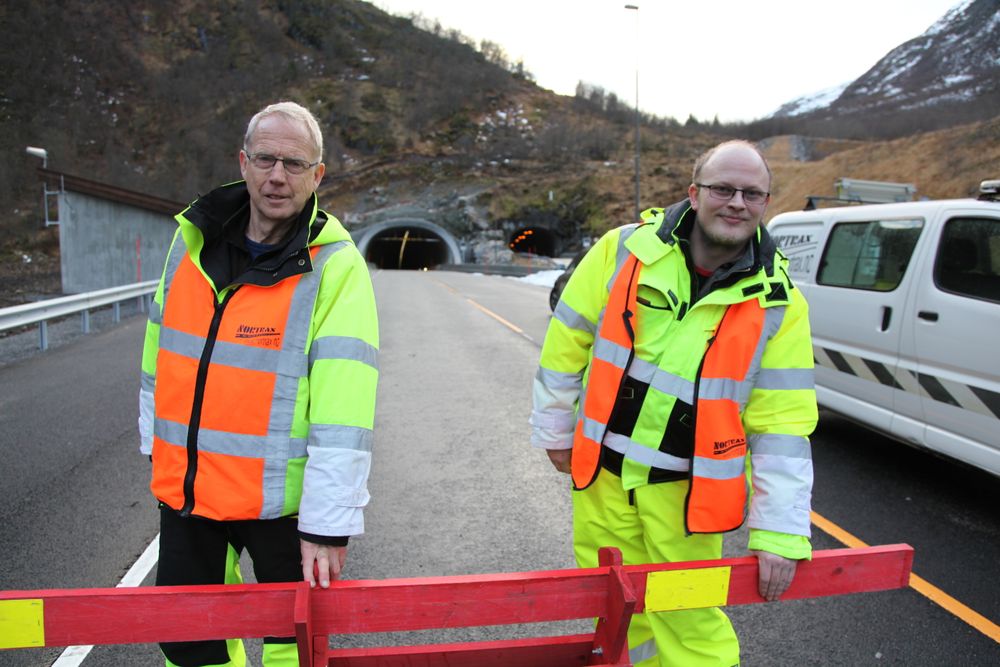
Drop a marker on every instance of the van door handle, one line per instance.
(927, 315)
(886, 317)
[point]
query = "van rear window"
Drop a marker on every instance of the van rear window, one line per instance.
(871, 255)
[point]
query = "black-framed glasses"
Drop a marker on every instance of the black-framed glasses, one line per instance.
(266, 162)
(727, 192)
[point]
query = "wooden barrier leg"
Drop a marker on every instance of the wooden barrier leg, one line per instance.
(321, 648)
(611, 634)
(304, 626)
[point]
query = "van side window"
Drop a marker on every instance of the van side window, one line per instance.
(968, 259)
(869, 255)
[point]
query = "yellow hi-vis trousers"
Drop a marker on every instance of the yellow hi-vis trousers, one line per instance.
(650, 529)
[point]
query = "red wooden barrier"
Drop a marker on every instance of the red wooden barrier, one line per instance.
(611, 593)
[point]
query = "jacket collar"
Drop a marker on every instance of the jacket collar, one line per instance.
(670, 230)
(223, 214)
(215, 213)
(672, 225)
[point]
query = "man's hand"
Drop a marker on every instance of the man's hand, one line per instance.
(561, 459)
(776, 574)
(323, 562)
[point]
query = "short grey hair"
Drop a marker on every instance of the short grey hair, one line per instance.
(703, 159)
(292, 111)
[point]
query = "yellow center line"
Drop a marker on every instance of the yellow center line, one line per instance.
(499, 319)
(919, 584)
(513, 327)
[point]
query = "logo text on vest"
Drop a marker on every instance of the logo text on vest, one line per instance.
(725, 446)
(267, 336)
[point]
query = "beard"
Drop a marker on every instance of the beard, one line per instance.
(736, 238)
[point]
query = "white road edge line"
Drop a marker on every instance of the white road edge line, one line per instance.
(74, 655)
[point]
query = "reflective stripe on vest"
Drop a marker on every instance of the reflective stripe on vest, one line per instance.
(716, 500)
(613, 352)
(228, 381)
(717, 495)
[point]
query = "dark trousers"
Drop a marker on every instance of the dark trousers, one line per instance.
(193, 552)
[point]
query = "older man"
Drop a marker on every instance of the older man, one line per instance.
(679, 353)
(258, 384)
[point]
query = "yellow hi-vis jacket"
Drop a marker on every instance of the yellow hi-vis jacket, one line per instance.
(257, 399)
(655, 442)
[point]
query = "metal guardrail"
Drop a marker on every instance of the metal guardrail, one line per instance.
(42, 311)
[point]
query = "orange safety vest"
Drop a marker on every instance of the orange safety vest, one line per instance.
(227, 375)
(717, 495)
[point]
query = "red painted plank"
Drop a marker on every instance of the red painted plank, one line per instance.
(182, 613)
(532, 598)
(146, 615)
(534, 652)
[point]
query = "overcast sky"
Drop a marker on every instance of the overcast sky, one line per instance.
(726, 58)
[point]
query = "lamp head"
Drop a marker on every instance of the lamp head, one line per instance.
(39, 153)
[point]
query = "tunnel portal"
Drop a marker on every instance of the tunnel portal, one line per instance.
(533, 241)
(409, 245)
(406, 248)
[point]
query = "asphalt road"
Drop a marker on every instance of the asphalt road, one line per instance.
(457, 490)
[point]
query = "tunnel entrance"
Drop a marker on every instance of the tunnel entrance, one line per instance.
(533, 241)
(407, 247)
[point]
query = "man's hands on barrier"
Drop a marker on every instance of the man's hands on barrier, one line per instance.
(560, 459)
(321, 563)
(776, 574)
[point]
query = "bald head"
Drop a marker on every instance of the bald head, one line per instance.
(729, 194)
(736, 148)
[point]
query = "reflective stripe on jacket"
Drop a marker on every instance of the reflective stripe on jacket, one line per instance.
(773, 402)
(259, 399)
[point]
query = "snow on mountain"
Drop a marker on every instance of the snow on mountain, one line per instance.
(811, 102)
(956, 62)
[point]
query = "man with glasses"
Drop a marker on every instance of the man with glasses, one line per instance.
(678, 366)
(258, 381)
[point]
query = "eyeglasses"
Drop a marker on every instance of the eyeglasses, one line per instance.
(727, 192)
(265, 162)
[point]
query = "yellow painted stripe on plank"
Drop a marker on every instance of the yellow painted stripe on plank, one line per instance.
(687, 589)
(919, 584)
(22, 623)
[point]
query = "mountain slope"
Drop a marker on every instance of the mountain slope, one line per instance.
(946, 76)
(155, 96)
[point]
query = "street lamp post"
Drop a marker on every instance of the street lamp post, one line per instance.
(636, 9)
(43, 154)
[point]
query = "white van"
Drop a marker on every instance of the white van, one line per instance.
(904, 303)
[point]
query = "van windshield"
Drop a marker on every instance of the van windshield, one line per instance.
(870, 255)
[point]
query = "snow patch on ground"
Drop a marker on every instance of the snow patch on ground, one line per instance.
(542, 278)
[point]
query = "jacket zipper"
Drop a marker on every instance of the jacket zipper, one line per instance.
(194, 424)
